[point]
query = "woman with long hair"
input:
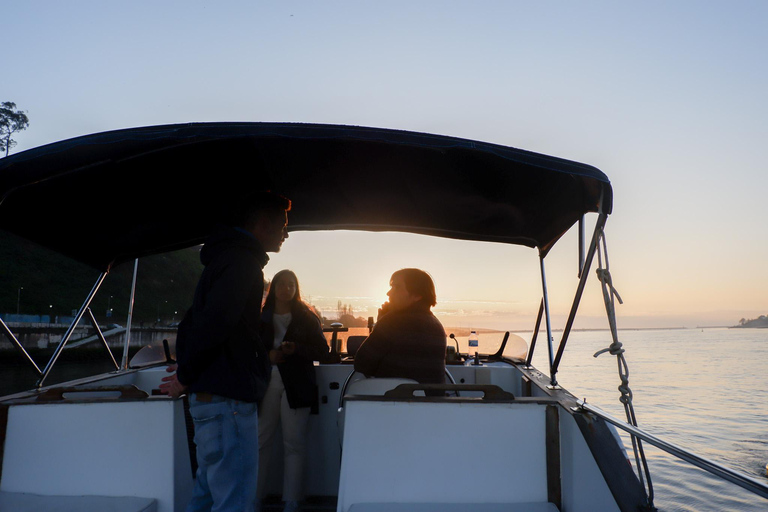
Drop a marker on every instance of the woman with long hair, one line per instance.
(295, 338)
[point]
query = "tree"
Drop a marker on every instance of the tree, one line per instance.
(11, 121)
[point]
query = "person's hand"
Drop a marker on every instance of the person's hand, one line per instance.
(288, 348)
(276, 356)
(383, 310)
(171, 385)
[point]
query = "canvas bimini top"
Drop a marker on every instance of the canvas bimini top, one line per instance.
(110, 197)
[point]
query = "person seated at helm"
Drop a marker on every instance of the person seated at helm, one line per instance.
(408, 341)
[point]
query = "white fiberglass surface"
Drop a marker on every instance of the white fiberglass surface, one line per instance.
(414, 452)
(135, 448)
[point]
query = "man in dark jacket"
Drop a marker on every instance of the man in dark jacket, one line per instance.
(222, 362)
(408, 341)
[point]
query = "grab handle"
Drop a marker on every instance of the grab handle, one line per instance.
(491, 392)
(126, 392)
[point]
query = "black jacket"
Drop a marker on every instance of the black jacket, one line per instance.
(409, 343)
(218, 346)
(298, 370)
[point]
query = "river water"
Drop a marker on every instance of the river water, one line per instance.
(701, 389)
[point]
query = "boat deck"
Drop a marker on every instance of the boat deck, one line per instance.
(506, 439)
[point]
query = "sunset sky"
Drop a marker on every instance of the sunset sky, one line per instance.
(669, 99)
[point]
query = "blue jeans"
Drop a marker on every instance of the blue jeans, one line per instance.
(227, 441)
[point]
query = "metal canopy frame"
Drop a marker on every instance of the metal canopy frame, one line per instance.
(585, 264)
(16, 343)
(389, 180)
(81, 312)
(85, 309)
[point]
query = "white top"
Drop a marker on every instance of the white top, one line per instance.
(280, 324)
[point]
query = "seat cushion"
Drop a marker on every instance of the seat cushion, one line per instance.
(453, 507)
(23, 502)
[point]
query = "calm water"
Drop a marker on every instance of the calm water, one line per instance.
(704, 390)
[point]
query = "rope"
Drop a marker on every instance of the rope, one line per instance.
(610, 295)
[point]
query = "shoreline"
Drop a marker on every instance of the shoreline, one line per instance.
(466, 330)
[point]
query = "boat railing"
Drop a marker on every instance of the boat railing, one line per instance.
(16, 343)
(68, 334)
(712, 467)
(82, 312)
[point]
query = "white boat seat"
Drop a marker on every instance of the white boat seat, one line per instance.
(372, 386)
(25, 502)
(84, 450)
(401, 454)
(454, 507)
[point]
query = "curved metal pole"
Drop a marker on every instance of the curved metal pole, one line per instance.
(719, 470)
(535, 335)
(500, 353)
(19, 346)
(582, 229)
(130, 316)
(601, 220)
(71, 329)
(100, 335)
(552, 369)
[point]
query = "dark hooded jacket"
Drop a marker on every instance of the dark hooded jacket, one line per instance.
(218, 346)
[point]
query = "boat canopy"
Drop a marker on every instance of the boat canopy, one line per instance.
(110, 197)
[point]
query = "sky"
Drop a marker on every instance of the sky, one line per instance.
(669, 99)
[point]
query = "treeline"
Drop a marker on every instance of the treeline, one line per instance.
(345, 314)
(761, 321)
(37, 281)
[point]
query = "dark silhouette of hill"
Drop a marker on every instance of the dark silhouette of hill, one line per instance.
(760, 322)
(57, 285)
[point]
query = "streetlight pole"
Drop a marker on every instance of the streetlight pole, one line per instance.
(50, 322)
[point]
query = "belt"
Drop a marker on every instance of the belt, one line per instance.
(204, 397)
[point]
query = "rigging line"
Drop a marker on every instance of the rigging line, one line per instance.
(610, 295)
